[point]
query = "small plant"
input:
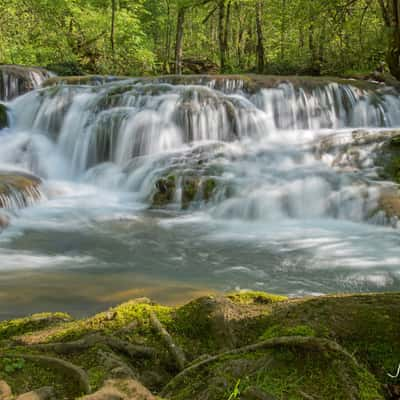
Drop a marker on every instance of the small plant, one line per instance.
(11, 365)
(236, 391)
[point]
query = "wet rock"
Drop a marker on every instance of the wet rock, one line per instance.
(18, 189)
(4, 221)
(165, 191)
(45, 393)
(16, 80)
(3, 116)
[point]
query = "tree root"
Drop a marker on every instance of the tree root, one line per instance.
(76, 373)
(175, 351)
(89, 341)
(117, 367)
(306, 342)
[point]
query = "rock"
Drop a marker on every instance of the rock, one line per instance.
(254, 393)
(5, 391)
(19, 189)
(3, 116)
(4, 221)
(210, 317)
(121, 389)
(165, 191)
(45, 393)
(16, 80)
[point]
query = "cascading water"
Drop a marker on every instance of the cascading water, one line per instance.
(209, 183)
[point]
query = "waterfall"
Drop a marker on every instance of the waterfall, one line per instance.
(258, 154)
(264, 183)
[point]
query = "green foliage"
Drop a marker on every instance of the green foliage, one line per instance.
(299, 36)
(236, 392)
(10, 365)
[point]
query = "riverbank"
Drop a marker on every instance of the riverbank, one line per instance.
(246, 345)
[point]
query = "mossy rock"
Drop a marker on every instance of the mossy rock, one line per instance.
(255, 297)
(89, 80)
(287, 370)
(35, 322)
(366, 325)
(165, 191)
(213, 323)
(3, 116)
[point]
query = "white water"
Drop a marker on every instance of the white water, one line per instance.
(281, 219)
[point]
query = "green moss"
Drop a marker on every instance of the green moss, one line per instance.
(255, 297)
(29, 324)
(285, 373)
(366, 325)
(34, 376)
(277, 331)
(209, 186)
(190, 188)
(165, 191)
(122, 315)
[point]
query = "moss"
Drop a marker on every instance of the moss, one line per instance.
(29, 324)
(135, 310)
(366, 325)
(278, 330)
(285, 373)
(255, 297)
(190, 188)
(209, 185)
(34, 376)
(165, 191)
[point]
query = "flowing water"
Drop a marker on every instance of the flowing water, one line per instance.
(277, 216)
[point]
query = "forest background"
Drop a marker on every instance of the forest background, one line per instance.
(149, 37)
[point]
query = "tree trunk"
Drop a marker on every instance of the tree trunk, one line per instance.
(221, 35)
(179, 41)
(391, 16)
(260, 38)
(112, 35)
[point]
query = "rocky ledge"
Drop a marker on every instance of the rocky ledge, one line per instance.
(18, 189)
(16, 80)
(246, 345)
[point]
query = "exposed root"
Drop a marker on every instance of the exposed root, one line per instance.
(117, 367)
(89, 341)
(74, 372)
(305, 342)
(175, 351)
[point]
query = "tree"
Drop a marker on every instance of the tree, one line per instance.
(260, 38)
(391, 17)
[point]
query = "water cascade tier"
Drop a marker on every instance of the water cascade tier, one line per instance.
(280, 184)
